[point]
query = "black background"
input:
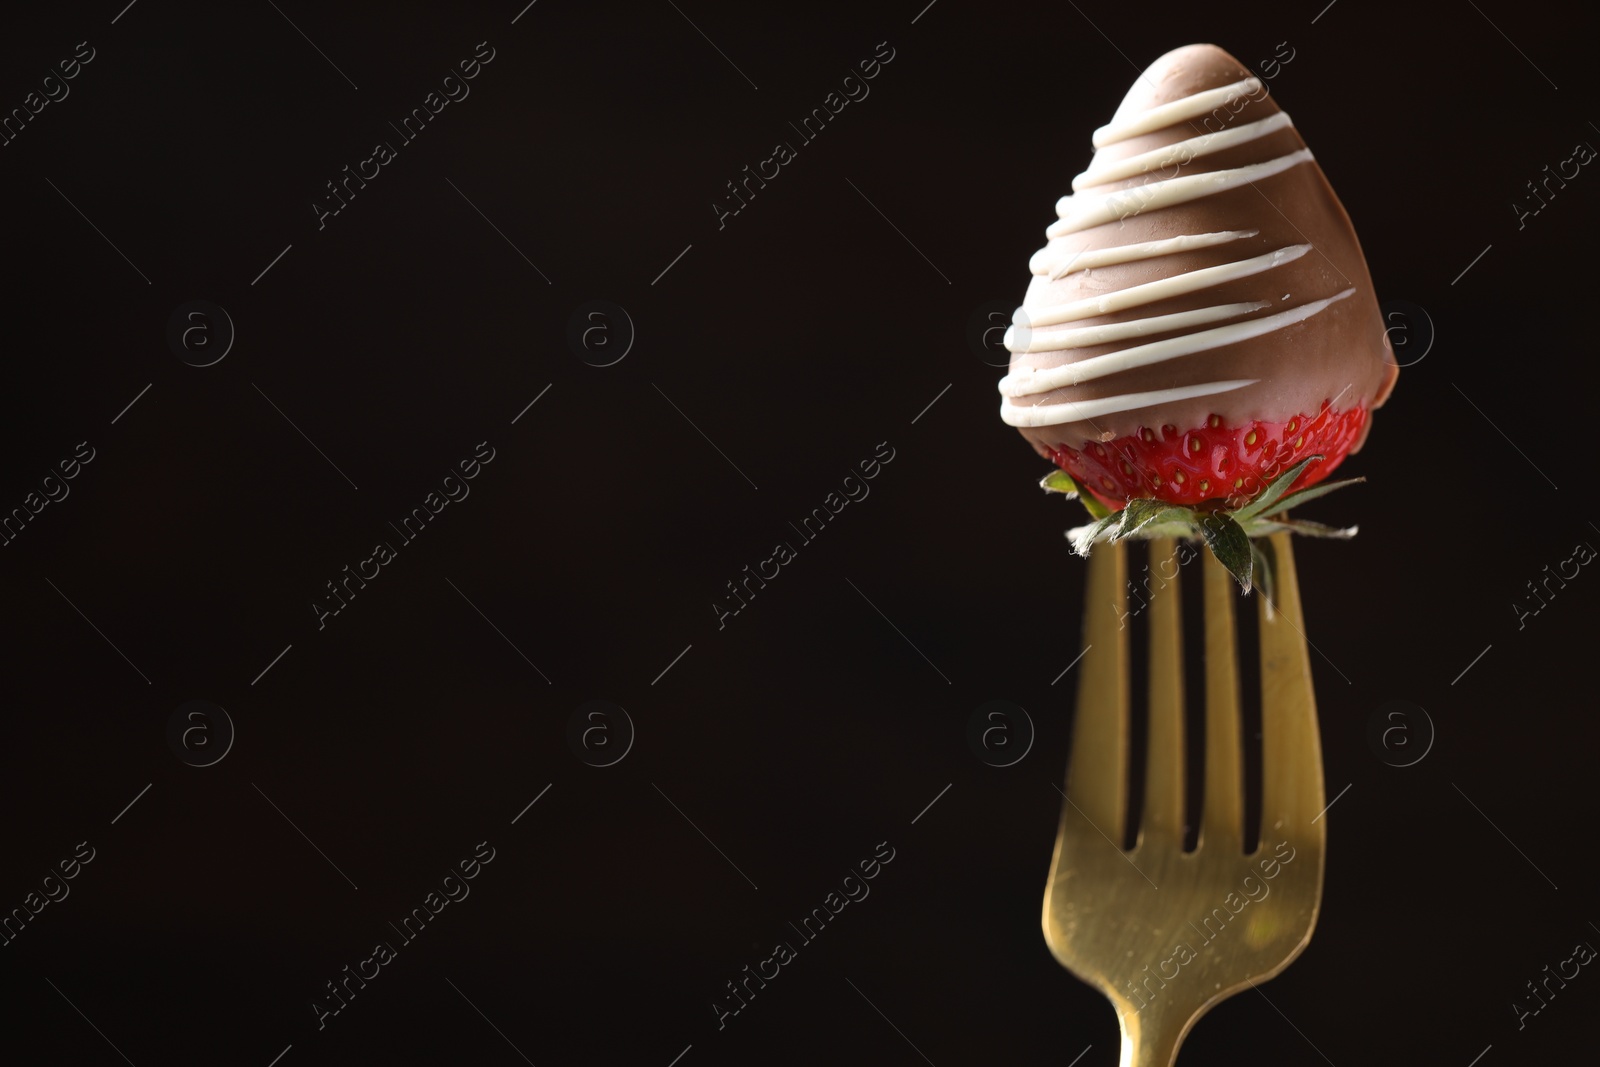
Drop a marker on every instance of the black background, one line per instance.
(797, 338)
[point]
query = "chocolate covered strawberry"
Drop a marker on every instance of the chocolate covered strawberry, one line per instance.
(1200, 341)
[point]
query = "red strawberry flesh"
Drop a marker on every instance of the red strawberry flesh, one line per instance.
(1230, 464)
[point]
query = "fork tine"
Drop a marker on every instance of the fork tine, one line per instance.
(1097, 919)
(1097, 776)
(1222, 811)
(1291, 751)
(1163, 791)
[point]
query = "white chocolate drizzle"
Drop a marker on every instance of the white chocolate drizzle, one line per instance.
(1083, 410)
(1195, 330)
(1044, 264)
(1170, 114)
(1084, 336)
(1149, 292)
(1027, 381)
(1079, 213)
(1180, 152)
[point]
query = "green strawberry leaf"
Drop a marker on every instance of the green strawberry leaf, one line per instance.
(1084, 538)
(1271, 493)
(1059, 481)
(1264, 578)
(1230, 544)
(1317, 529)
(1141, 513)
(1305, 496)
(1092, 505)
(1179, 528)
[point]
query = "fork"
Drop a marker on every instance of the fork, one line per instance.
(1166, 934)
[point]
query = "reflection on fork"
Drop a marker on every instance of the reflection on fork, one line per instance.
(1163, 933)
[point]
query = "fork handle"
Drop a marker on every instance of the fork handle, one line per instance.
(1151, 1038)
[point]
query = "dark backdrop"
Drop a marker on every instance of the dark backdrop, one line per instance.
(765, 359)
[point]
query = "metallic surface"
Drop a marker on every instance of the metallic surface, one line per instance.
(1163, 933)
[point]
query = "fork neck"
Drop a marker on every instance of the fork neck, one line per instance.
(1151, 1035)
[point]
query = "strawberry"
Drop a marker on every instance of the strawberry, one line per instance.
(1229, 465)
(1200, 345)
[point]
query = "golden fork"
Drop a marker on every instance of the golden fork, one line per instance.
(1166, 934)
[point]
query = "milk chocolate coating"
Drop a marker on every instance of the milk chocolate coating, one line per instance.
(1339, 354)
